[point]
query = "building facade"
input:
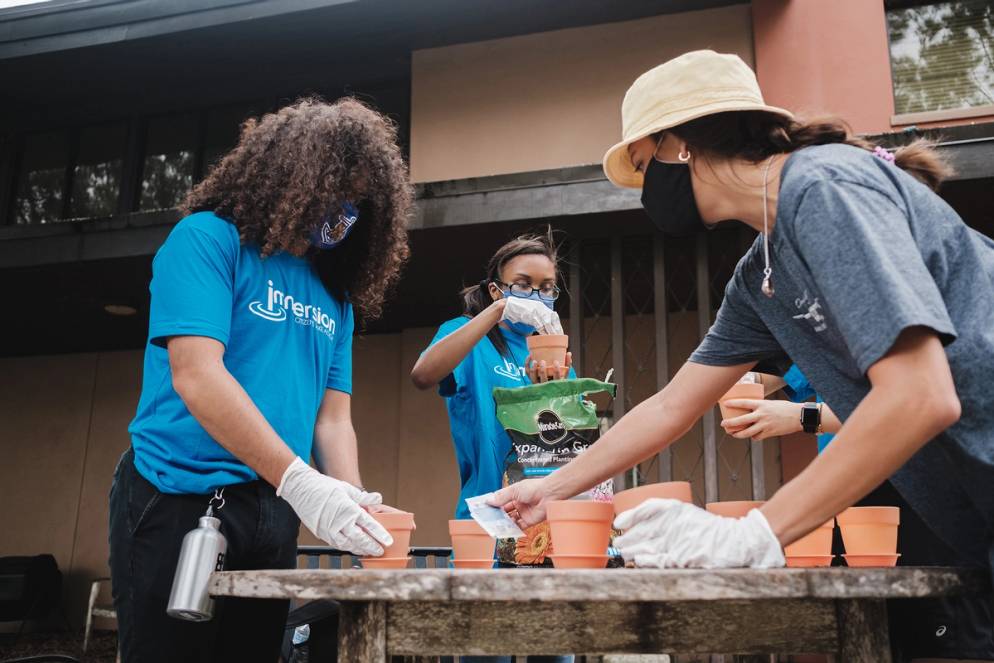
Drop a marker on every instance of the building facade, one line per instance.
(111, 110)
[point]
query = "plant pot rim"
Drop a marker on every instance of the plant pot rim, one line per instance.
(547, 341)
(590, 511)
(870, 515)
(466, 528)
(737, 502)
(395, 521)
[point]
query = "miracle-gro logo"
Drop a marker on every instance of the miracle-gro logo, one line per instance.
(550, 427)
(279, 305)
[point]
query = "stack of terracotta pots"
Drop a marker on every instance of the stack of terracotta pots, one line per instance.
(870, 535)
(400, 525)
(472, 547)
(581, 532)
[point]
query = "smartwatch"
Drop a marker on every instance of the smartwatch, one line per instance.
(810, 417)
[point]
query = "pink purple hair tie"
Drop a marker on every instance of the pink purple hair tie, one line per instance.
(883, 154)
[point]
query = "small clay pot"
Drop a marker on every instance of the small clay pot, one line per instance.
(741, 390)
(400, 525)
(807, 561)
(631, 498)
(580, 527)
(473, 563)
(733, 509)
(385, 562)
(870, 530)
(579, 561)
(818, 542)
(470, 541)
(871, 560)
(550, 348)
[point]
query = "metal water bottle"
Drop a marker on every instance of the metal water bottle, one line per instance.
(202, 553)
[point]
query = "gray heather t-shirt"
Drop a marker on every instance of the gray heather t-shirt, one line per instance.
(861, 251)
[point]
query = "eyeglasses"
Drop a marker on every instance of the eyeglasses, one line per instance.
(548, 292)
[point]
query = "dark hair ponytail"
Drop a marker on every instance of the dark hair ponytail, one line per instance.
(756, 135)
(477, 297)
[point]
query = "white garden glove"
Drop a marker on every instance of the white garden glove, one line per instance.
(666, 533)
(534, 313)
(332, 510)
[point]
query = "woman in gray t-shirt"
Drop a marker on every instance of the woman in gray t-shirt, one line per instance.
(861, 275)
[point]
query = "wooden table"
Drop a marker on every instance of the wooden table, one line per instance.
(419, 612)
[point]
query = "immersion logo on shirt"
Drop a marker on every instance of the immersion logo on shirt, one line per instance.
(279, 306)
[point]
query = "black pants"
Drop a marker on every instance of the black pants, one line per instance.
(146, 530)
(957, 627)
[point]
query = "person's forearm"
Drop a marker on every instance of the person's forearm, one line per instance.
(336, 451)
(867, 450)
(829, 422)
(442, 358)
(227, 413)
(645, 430)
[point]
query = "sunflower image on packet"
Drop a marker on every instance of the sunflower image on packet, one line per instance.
(549, 424)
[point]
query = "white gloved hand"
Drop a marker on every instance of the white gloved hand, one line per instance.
(534, 313)
(332, 510)
(666, 533)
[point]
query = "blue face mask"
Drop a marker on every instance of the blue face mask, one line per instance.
(334, 228)
(520, 327)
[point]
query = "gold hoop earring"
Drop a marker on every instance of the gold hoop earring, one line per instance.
(684, 156)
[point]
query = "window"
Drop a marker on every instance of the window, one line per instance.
(942, 55)
(96, 179)
(42, 179)
(170, 161)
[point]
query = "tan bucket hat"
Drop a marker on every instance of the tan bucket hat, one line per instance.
(692, 85)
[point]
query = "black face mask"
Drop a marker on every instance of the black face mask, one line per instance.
(668, 198)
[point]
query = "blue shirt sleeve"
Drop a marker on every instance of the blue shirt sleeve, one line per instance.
(455, 380)
(340, 373)
(193, 280)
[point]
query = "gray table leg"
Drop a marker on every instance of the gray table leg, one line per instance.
(362, 632)
(863, 635)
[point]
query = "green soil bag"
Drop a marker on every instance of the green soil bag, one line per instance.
(549, 424)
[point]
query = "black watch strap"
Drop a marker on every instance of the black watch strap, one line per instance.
(810, 417)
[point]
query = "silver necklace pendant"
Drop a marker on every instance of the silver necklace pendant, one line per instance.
(768, 286)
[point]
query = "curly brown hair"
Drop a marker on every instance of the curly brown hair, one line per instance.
(291, 167)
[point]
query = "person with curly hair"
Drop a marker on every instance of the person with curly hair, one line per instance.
(295, 235)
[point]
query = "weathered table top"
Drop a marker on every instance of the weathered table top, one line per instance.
(599, 585)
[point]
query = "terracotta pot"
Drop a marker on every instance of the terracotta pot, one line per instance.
(733, 509)
(549, 348)
(470, 541)
(818, 542)
(741, 390)
(804, 561)
(631, 498)
(400, 525)
(580, 527)
(870, 530)
(385, 562)
(473, 563)
(871, 560)
(579, 561)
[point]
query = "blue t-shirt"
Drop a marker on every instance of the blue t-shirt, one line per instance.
(481, 443)
(799, 390)
(286, 341)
